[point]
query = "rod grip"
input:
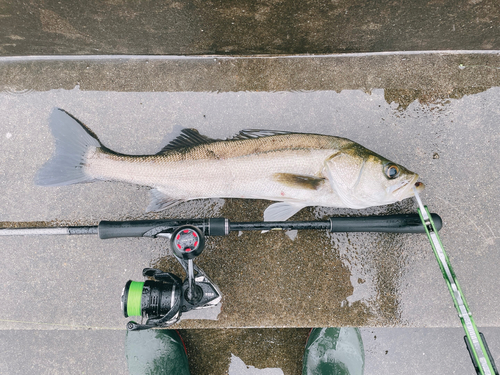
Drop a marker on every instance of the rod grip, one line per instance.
(141, 228)
(401, 223)
(150, 228)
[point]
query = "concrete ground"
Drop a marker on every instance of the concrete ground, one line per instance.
(220, 68)
(434, 113)
(181, 27)
(412, 351)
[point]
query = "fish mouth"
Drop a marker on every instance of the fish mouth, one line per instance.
(406, 188)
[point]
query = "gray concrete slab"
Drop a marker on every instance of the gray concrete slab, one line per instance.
(245, 27)
(449, 136)
(390, 351)
(62, 352)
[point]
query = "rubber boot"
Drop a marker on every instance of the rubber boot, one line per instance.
(155, 352)
(334, 351)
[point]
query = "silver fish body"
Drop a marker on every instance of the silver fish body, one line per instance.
(295, 169)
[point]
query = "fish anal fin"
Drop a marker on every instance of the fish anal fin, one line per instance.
(161, 201)
(299, 181)
(281, 211)
(187, 138)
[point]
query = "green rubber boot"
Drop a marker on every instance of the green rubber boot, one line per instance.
(334, 351)
(155, 352)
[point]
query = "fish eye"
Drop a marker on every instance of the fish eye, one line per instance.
(392, 171)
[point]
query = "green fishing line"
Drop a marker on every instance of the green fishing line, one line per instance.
(134, 298)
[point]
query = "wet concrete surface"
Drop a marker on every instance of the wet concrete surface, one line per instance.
(405, 76)
(245, 27)
(436, 114)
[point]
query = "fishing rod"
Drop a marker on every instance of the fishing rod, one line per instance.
(474, 340)
(400, 223)
(163, 297)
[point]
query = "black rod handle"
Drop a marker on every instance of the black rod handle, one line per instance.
(401, 223)
(144, 228)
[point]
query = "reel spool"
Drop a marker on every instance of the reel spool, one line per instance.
(159, 301)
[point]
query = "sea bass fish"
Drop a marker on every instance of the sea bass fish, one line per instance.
(295, 169)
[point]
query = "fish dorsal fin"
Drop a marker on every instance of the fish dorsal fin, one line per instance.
(258, 133)
(187, 138)
(191, 137)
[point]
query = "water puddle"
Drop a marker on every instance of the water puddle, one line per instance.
(237, 367)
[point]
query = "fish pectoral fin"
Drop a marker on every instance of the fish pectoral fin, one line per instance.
(187, 138)
(160, 201)
(299, 181)
(281, 211)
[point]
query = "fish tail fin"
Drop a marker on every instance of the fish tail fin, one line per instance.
(73, 141)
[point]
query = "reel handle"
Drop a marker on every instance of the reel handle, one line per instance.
(187, 242)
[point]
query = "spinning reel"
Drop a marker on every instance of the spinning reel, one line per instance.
(163, 298)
